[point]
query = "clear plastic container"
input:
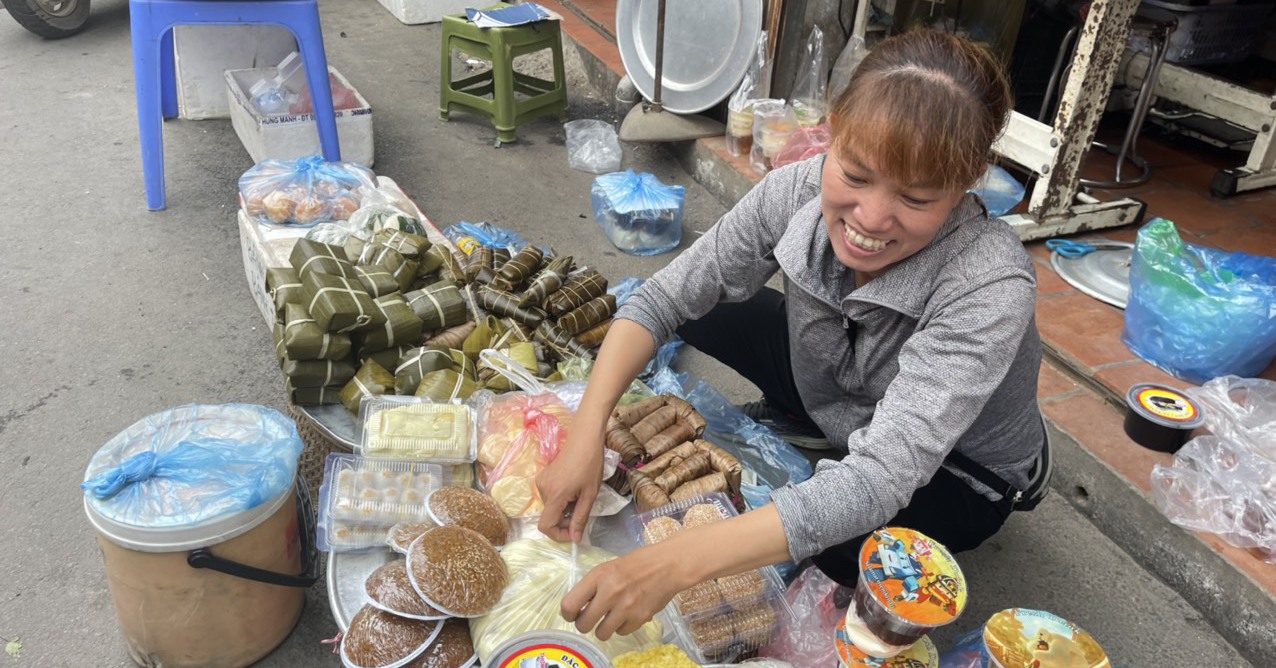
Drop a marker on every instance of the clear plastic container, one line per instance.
(719, 620)
(416, 428)
(362, 498)
(740, 130)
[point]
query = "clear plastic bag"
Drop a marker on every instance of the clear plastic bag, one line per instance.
(193, 463)
(755, 84)
(804, 143)
(1241, 410)
(541, 572)
(487, 234)
(1199, 313)
(810, 88)
(1219, 486)
(773, 123)
(592, 146)
(304, 192)
(806, 637)
(999, 191)
(847, 62)
(639, 214)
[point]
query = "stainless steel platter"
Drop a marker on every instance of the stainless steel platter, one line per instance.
(1103, 274)
(335, 423)
(708, 45)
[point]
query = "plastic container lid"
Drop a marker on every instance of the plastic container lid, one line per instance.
(913, 577)
(1164, 406)
(553, 648)
(191, 476)
(1021, 638)
(923, 654)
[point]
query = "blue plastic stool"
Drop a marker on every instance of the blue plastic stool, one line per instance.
(152, 24)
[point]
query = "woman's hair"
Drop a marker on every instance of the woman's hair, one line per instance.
(924, 108)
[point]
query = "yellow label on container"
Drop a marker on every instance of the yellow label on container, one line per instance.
(548, 655)
(1167, 404)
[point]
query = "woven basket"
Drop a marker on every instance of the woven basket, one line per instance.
(316, 451)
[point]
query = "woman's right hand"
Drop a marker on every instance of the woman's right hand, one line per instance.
(569, 485)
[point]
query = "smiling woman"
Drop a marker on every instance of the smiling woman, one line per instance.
(904, 341)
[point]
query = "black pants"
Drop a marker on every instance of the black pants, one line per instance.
(752, 337)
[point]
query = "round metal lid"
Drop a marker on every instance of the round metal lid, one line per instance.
(1103, 274)
(708, 45)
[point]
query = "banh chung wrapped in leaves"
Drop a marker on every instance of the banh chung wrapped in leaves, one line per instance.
(284, 286)
(371, 380)
(303, 339)
(317, 373)
(438, 307)
(310, 256)
(401, 327)
(422, 360)
(339, 304)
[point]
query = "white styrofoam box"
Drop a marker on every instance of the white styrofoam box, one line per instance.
(264, 248)
(413, 12)
(204, 53)
(290, 136)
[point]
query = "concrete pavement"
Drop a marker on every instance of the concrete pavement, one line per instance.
(109, 313)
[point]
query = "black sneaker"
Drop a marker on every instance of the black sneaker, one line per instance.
(802, 434)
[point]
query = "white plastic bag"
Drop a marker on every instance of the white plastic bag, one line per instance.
(1241, 410)
(592, 146)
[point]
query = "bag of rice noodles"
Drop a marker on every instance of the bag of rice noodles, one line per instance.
(543, 570)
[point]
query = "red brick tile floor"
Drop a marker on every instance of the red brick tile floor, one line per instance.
(1088, 370)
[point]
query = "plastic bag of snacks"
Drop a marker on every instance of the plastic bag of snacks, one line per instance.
(303, 192)
(817, 606)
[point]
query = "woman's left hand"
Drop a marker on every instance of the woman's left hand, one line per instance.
(623, 594)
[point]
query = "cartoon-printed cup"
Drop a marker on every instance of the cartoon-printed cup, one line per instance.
(921, 654)
(908, 586)
(1022, 638)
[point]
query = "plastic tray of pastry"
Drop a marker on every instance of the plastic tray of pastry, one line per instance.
(361, 498)
(414, 428)
(722, 619)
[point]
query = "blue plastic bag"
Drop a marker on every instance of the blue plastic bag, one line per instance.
(304, 192)
(1199, 313)
(487, 234)
(999, 190)
(639, 214)
(193, 464)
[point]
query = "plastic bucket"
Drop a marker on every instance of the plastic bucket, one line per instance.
(217, 597)
(206, 534)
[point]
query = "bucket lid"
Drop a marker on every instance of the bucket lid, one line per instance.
(913, 577)
(191, 476)
(1165, 406)
(921, 654)
(1019, 638)
(554, 648)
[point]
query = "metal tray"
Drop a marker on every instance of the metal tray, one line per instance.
(708, 46)
(1103, 274)
(347, 571)
(335, 423)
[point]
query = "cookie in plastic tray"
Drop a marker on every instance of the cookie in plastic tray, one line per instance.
(656, 525)
(361, 491)
(336, 536)
(414, 428)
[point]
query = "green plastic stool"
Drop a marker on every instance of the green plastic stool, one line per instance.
(500, 46)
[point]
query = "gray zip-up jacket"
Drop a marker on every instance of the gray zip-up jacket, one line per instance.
(946, 352)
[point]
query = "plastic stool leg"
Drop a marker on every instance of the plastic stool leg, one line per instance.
(445, 77)
(150, 123)
(560, 74)
(503, 93)
(168, 76)
(310, 40)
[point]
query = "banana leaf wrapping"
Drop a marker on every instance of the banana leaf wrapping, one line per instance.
(499, 257)
(429, 262)
(302, 338)
(438, 308)
(523, 354)
(593, 337)
(653, 424)
(714, 482)
(697, 465)
(339, 304)
(406, 275)
(578, 289)
(420, 361)
(563, 345)
(450, 265)
(312, 256)
(620, 440)
(370, 381)
(354, 247)
(407, 244)
(446, 385)
(388, 358)
(724, 463)
(478, 266)
(453, 337)
(545, 283)
(631, 414)
(402, 326)
(506, 305)
(377, 280)
(518, 268)
(284, 286)
(670, 459)
(318, 373)
(312, 396)
(488, 330)
(674, 435)
(375, 253)
(517, 331)
(647, 494)
(588, 314)
(277, 335)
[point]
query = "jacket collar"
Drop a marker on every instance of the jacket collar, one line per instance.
(806, 256)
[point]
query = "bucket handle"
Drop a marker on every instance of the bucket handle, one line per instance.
(203, 558)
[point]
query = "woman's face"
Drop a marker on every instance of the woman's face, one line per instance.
(874, 222)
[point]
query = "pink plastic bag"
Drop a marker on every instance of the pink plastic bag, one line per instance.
(519, 435)
(806, 638)
(803, 144)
